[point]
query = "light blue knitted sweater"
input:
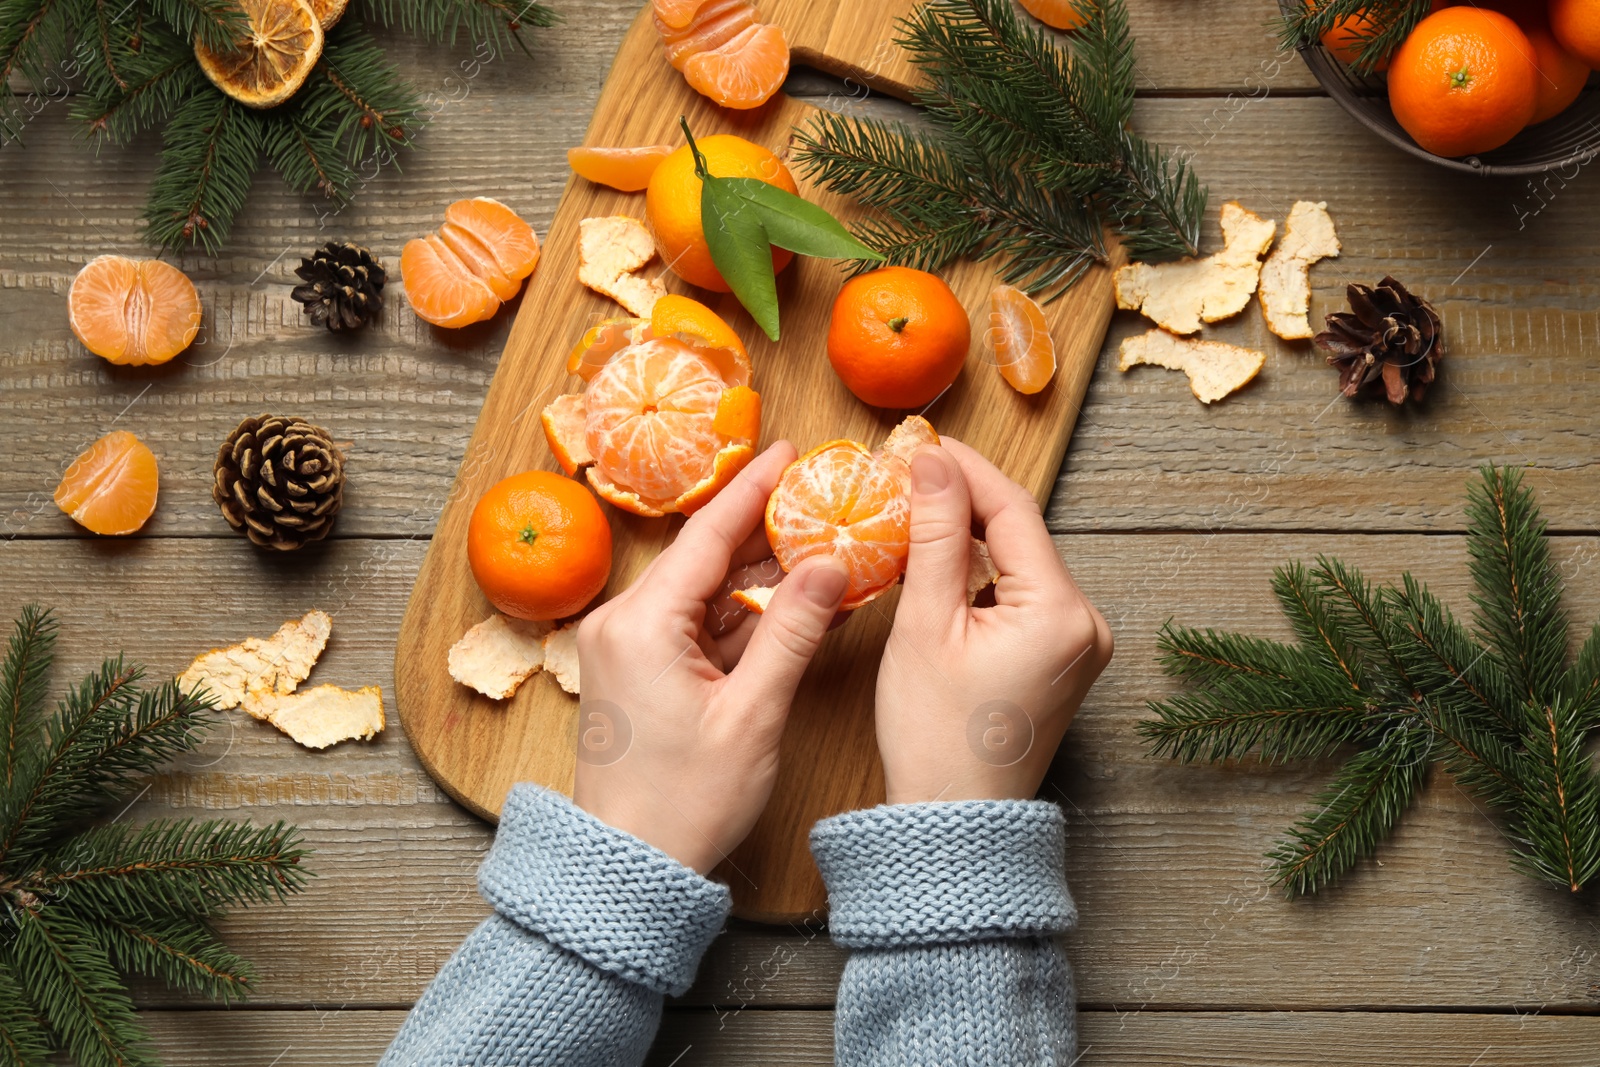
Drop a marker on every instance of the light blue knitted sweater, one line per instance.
(949, 910)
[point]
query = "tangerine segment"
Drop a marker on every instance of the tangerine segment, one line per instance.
(840, 499)
(1060, 14)
(441, 288)
(111, 489)
(624, 169)
(497, 238)
(744, 72)
(1023, 349)
(676, 13)
(269, 64)
(714, 24)
(134, 312)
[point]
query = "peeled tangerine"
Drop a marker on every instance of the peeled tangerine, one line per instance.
(854, 504)
(668, 416)
(725, 52)
(473, 264)
(133, 311)
(111, 488)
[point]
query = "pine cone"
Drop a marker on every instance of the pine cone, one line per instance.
(1388, 335)
(343, 285)
(279, 481)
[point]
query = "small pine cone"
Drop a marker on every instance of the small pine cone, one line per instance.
(279, 481)
(343, 285)
(1390, 341)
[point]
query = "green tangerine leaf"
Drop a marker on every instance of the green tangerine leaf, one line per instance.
(797, 224)
(741, 250)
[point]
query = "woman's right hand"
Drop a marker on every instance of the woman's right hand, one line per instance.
(973, 702)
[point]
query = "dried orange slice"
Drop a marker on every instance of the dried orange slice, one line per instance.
(268, 64)
(133, 311)
(329, 12)
(626, 169)
(1023, 349)
(656, 427)
(725, 52)
(476, 262)
(111, 488)
(853, 504)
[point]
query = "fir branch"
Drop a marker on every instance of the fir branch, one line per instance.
(1581, 682)
(1518, 588)
(494, 24)
(23, 678)
(172, 867)
(155, 80)
(1363, 616)
(182, 952)
(24, 1041)
(34, 34)
(1444, 662)
(362, 97)
(208, 160)
(59, 959)
(1316, 627)
(106, 734)
(1356, 812)
(219, 23)
(1557, 824)
(1385, 24)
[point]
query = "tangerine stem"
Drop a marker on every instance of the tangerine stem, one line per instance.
(700, 170)
(897, 323)
(1460, 78)
(528, 535)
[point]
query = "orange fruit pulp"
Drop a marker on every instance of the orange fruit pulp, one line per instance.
(668, 417)
(624, 169)
(1464, 81)
(724, 51)
(111, 488)
(1024, 352)
(474, 263)
(672, 203)
(539, 546)
(841, 499)
(133, 311)
(1060, 14)
(1576, 24)
(898, 337)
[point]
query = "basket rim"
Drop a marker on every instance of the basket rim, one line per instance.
(1330, 75)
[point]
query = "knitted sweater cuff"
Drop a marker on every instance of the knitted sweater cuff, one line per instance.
(913, 874)
(625, 906)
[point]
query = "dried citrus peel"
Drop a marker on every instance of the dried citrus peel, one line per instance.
(323, 715)
(1285, 291)
(1179, 296)
(1214, 369)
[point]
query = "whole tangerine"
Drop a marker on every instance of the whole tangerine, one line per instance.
(672, 203)
(898, 337)
(539, 545)
(1464, 81)
(1576, 24)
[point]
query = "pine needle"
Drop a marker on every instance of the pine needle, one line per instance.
(23, 678)
(1385, 23)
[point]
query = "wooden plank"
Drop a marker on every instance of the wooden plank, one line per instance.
(478, 748)
(1164, 859)
(1107, 1039)
(1287, 453)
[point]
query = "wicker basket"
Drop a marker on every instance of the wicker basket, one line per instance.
(1572, 138)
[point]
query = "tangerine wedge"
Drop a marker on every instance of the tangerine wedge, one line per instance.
(133, 311)
(713, 25)
(726, 53)
(111, 488)
(624, 169)
(474, 263)
(1023, 349)
(852, 503)
(1059, 14)
(663, 425)
(676, 13)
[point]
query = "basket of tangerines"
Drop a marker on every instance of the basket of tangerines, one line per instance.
(1491, 87)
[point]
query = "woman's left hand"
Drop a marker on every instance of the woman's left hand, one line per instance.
(681, 716)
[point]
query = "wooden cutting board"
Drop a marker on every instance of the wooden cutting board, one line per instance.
(478, 748)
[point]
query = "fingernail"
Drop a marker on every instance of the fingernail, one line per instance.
(824, 584)
(928, 475)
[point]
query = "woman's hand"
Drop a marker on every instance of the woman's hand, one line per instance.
(973, 702)
(679, 725)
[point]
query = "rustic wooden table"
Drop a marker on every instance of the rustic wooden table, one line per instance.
(1438, 954)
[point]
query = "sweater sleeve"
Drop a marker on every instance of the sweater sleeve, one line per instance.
(591, 927)
(951, 911)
